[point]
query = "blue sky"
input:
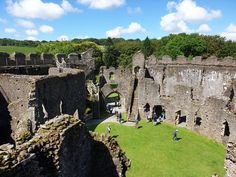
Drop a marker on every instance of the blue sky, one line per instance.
(68, 19)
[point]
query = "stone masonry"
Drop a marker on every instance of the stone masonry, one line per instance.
(63, 147)
(197, 94)
(34, 99)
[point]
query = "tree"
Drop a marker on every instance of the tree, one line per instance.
(147, 48)
(111, 56)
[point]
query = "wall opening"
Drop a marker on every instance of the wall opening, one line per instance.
(112, 100)
(5, 122)
(111, 76)
(198, 121)
(226, 129)
(180, 119)
(136, 70)
(146, 107)
(147, 75)
(158, 110)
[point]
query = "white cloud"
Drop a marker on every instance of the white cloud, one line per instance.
(46, 29)
(3, 21)
(119, 31)
(10, 30)
(31, 38)
(38, 9)
(231, 28)
(184, 12)
(135, 10)
(68, 7)
(31, 32)
(230, 32)
(63, 38)
(171, 23)
(25, 23)
(204, 28)
(102, 4)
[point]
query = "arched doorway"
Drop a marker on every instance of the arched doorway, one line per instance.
(5, 121)
(112, 100)
(158, 112)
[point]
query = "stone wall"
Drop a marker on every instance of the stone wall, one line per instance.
(197, 94)
(197, 88)
(35, 64)
(63, 147)
(34, 99)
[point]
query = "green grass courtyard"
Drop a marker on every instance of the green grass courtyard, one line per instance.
(154, 154)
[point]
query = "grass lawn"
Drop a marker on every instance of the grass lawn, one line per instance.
(113, 95)
(154, 154)
(11, 49)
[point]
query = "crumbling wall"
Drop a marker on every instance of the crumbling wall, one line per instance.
(63, 147)
(119, 76)
(35, 99)
(35, 64)
(199, 89)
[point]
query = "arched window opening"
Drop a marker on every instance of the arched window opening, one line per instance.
(136, 70)
(111, 76)
(146, 107)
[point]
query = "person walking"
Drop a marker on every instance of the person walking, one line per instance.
(136, 121)
(119, 117)
(108, 130)
(174, 137)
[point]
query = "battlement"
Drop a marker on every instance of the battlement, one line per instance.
(17, 59)
(198, 60)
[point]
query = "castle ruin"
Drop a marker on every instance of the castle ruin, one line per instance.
(42, 106)
(197, 94)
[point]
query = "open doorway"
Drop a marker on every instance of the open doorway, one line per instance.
(5, 122)
(158, 112)
(180, 119)
(157, 109)
(112, 101)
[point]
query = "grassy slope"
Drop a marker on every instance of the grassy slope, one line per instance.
(11, 49)
(155, 154)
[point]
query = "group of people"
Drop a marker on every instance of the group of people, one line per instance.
(155, 118)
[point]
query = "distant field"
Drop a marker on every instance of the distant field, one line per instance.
(11, 49)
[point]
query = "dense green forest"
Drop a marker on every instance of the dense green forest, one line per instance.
(118, 51)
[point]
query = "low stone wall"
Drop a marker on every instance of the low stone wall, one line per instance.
(63, 147)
